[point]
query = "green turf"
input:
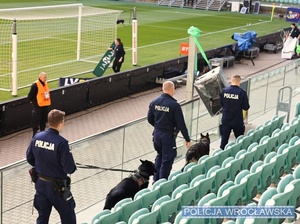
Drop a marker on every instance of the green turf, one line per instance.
(161, 29)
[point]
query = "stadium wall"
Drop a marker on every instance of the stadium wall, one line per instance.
(15, 115)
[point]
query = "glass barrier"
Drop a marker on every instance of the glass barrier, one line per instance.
(123, 147)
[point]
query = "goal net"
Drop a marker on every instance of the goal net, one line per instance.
(62, 40)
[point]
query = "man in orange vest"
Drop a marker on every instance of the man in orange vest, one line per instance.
(39, 97)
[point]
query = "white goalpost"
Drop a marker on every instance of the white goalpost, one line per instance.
(62, 40)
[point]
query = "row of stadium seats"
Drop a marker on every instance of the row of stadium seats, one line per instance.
(241, 165)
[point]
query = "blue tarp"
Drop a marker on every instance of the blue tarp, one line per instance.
(245, 40)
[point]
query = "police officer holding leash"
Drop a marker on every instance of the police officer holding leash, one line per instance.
(233, 100)
(166, 116)
(50, 155)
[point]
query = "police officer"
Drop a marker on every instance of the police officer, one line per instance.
(166, 116)
(233, 100)
(50, 155)
(39, 96)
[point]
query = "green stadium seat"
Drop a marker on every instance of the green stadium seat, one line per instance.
(203, 183)
(222, 155)
(166, 188)
(197, 170)
(181, 220)
(222, 175)
(211, 161)
(260, 151)
(148, 198)
(149, 218)
(229, 222)
(235, 148)
(250, 132)
(169, 208)
(267, 128)
(283, 135)
(190, 196)
(206, 198)
(279, 167)
(291, 159)
(293, 140)
(281, 199)
(295, 198)
(181, 178)
(140, 193)
(280, 120)
(236, 165)
(173, 174)
(189, 166)
(248, 158)
(113, 217)
(266, 174)
(98, 215)
(266, 195)
(119, 204)
(294, 125)
(212, 173)
(236, 192)
(274, 122)
(202, 159)
(297, 112)
(258, 133)
(296, 172)
(251, 188)
(284, 182)
(129, 208)
(134, 218)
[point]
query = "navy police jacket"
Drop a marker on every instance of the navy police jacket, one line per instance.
(233, 100)
(50, 154)
(165, 114)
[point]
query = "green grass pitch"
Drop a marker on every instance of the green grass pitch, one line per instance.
(161, 29)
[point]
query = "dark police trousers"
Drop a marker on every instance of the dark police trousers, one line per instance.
(45, 198)
(165, 146)
(225, 131)
(39, 118)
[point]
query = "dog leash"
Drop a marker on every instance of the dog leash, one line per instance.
(86, 166)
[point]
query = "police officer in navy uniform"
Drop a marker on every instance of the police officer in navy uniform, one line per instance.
(233, 100)
(166, 116)
(50, 155)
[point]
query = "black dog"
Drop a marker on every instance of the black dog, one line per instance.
(196, 151)
(129, 186)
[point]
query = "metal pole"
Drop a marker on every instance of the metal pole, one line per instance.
(79, 31)
(191, 70)
(14, 59)
(134, 38)
(1, 198)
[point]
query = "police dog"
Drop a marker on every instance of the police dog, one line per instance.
(129, 186)
(196, 151)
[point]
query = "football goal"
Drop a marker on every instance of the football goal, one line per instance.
(62, 40)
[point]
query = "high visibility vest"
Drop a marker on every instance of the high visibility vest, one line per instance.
(43, 95)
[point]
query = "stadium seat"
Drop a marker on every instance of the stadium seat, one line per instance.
(281, 199)
(229, 222)
(295, 123)
(212, 173)
(202, 159)
(211, 161)
(296, 172)
(148, 218)
(272, 144)
(119, 204)
(250, 132)
(267, 128)
(266, 195)
(251, 188)
(274, 122)
(279, 167)
(190, 196)
(258, 133)
(222, 175)
(205, 199)
(148, 198)
(167, 187)
(158, 182)
(283, 134)
(198, 169)
(293, 140)
(295, 198)
(112, 217)
(291, 159)
(203, 183)
(173, 174)
(96, 217)
(235, 166)
(181, 178)
(234, 149)
(189, 166)
(140, 193)
(236, 191)
(284, 182)
(182, 220)
(129, 208)
(169, 208)
(280, 120)
(297, 111)
(134, 218)
(222, 155)
(248, 158)
(266, 174)
(246, 141)
(260, 151)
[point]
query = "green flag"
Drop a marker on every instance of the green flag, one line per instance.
(195, 33)
(105, 61)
